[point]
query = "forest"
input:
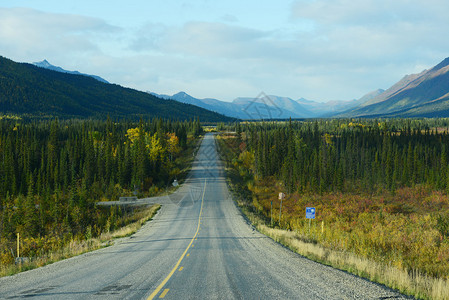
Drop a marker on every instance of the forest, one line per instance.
(380, 187)
(53, 172)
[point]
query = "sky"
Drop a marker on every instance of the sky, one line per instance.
(320, 50)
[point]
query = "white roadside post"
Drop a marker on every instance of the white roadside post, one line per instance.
(281, 197)
(18, 245)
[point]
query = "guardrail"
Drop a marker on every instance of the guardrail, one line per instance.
(122, 199)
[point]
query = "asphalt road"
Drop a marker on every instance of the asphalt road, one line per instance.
(197, 247)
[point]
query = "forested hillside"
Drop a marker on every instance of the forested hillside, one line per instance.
(53, 172)
(28, 90)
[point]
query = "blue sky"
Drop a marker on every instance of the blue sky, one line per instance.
(317, 49)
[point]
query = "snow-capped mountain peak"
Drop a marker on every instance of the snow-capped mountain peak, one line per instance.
(46, 65)
(43, 64)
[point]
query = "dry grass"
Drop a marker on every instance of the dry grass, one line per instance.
(76, 247)
(415, 284)
(131, 228)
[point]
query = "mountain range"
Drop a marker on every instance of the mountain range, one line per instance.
(270, 106)
(425, 94)
(28, 90)
(43, 89)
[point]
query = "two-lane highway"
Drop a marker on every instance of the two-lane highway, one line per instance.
(197, 247)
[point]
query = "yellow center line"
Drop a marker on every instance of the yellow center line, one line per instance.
(159, 288)
(164, 293)
(180, 269)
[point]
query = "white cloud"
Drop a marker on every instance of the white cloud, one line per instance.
(28, 33)
(370, 12)
(379, 28)
(201, 39)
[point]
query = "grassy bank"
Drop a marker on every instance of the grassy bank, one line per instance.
(410, 283)
(76, 247)
(394, 239)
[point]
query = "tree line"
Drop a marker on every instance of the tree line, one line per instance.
(346, 155)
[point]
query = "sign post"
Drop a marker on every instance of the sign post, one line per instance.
(18, 245)
(271, 219)
(281, 197)
(310, 214)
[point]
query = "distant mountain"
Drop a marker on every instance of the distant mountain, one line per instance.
(286, 107)
(263, 107)
(270, 106)
(39, 92)
(46, 65)
(369, 98)
(324, 109)
(222, 107)
(418, 95)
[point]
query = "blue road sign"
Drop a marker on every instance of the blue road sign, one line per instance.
(310, 212)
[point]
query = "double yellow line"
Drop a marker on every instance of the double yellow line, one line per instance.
(159, 288)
